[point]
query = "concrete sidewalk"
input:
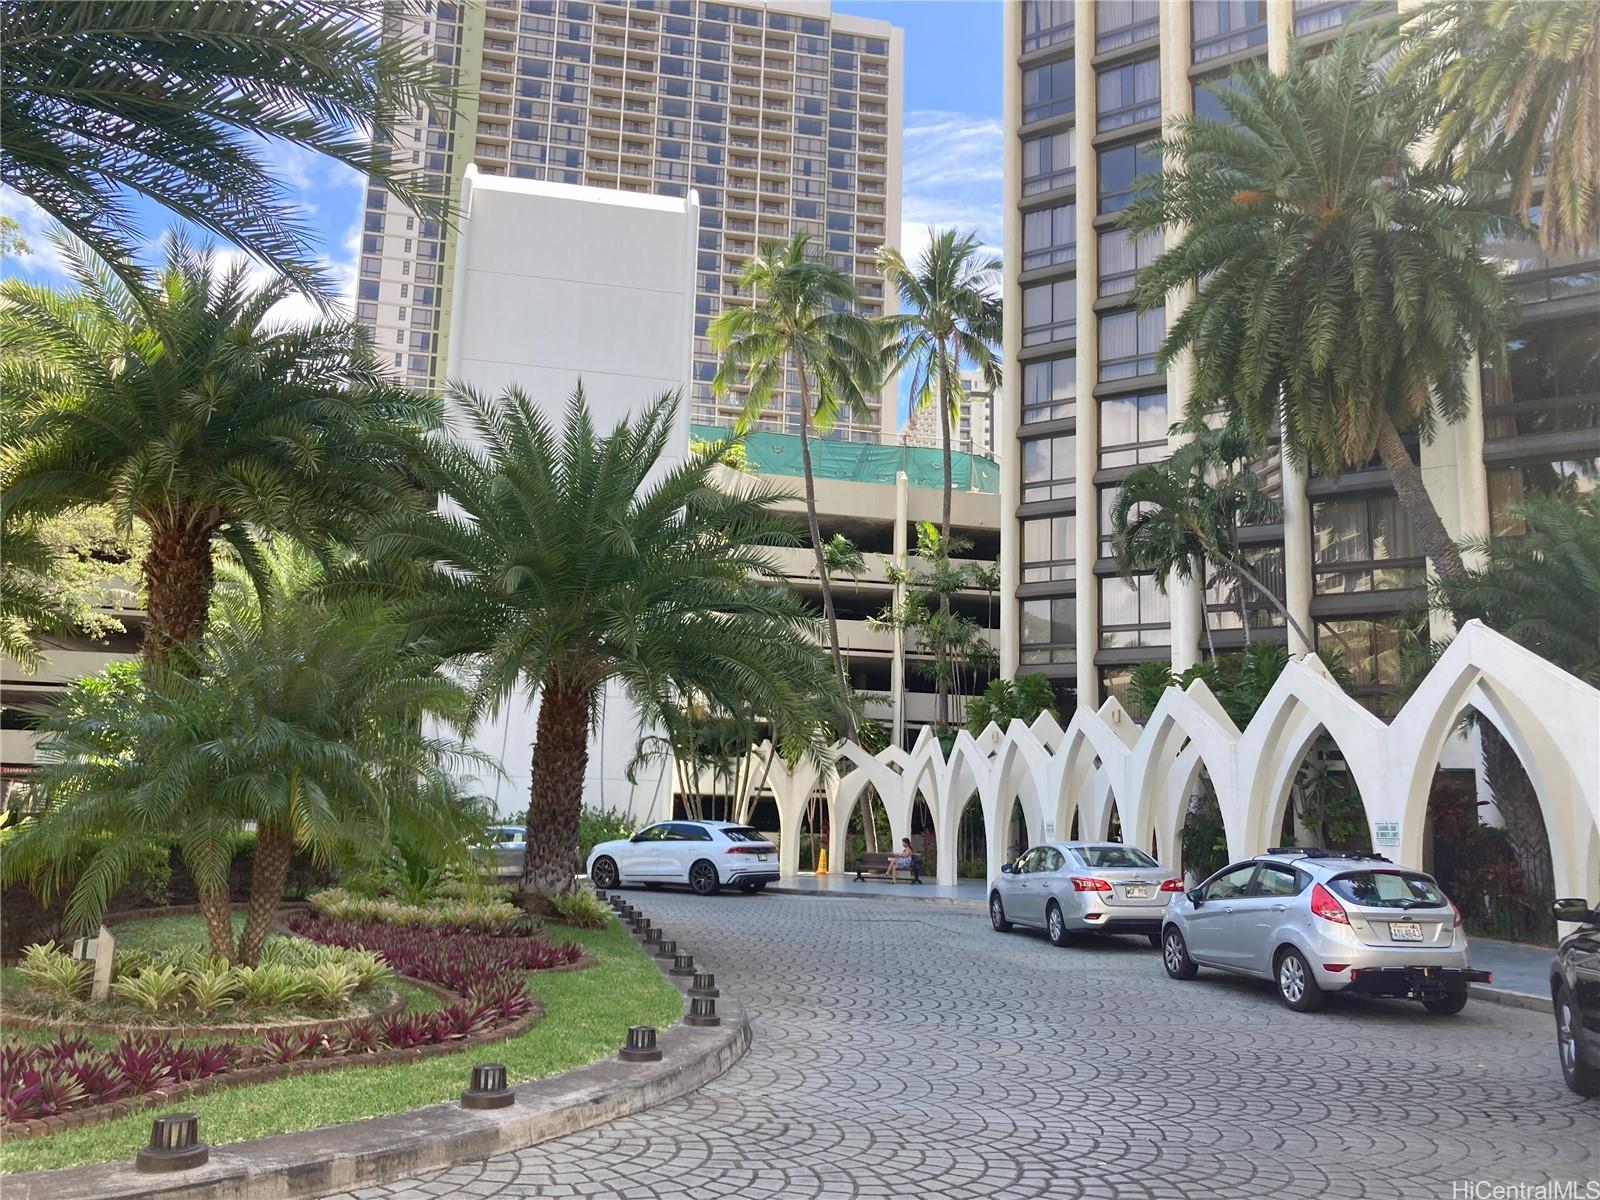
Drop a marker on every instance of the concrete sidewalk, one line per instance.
(1521, 973)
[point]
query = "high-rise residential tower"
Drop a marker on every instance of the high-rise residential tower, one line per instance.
(1088, 86)
(781, 116)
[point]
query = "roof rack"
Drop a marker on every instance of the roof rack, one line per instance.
(1317, 852)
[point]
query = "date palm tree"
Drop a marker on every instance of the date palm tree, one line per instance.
(302, 717)
(172, 101)
(1340, 288)
(189, 413)
(566, 560)
(802, 318)
(1512, 86)
(950, 316)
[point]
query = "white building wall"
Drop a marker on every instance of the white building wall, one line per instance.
(555, 284)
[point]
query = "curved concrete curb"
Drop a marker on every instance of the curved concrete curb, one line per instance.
(1510, 999)
(343, 1157)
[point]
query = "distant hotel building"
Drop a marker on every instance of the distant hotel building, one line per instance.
(782, 117)
(974, 433)
(1088, 85)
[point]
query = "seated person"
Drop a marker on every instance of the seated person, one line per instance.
(901, 861)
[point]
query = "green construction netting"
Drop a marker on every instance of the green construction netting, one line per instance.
(863, 462)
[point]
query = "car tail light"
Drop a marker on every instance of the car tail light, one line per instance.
(1326, 907)
(1457, 912)
(1490, 977)
(1172, 885)
(1335, 968)
(751, 849)
(1080, 884)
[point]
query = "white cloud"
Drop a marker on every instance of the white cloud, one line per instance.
(953, 175)
(44, 257)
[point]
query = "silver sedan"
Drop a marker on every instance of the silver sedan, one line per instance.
(1067, 888)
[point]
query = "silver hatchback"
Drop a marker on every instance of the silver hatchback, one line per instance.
(1319, 921)
(1067, 888)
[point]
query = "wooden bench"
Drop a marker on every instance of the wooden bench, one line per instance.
(878, 865)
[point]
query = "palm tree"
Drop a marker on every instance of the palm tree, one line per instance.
(562, 559)
(187, 412)
(171, 101)
(1340, 289)
(1511, 86)
(1006, 700)
(301, 717)
(802, 318)
(1179, 518)
(951, 316)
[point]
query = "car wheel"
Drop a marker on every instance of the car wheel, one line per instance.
(1155, 940)
(703, 879)
(1056, 925)
(1580, 1077)
(997, 914)
(1175, 955)
(1447, 1004)
(1297, 986)
(604, 873)
(749, 889)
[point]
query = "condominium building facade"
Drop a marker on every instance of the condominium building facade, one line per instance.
(781, 117)
(972, 433)
(1088, 86)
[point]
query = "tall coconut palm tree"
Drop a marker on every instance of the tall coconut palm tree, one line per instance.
(170, 101)
(802, 318)
(1340, 288)
(950, 316)
(563, 560)
(302, 717)
(1514, 87)
(1180, 517)
(188, 412)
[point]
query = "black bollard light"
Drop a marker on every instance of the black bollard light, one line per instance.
(175, 1145)
(641, 1045)
(488, 1088)
(705, 984)
(666, 948)
(682, 964)
(702, 1012)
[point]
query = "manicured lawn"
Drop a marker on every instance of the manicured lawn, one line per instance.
(162, 933)
(587, 1014)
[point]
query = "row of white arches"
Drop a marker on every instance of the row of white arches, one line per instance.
(1103, 758)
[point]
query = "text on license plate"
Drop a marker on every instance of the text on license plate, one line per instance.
(1136, 893)
(761, 858)
(1405, 931)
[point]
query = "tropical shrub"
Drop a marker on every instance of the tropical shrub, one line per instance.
(581, 908)
(212, 987)
(488, 915)
(55, 973)
(596, 825)
(153, 988)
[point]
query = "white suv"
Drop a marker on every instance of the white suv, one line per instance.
(704, 854)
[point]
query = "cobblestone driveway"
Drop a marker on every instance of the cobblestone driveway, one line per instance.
(902, 1049)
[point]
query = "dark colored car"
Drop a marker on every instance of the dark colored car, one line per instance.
(1575, 989)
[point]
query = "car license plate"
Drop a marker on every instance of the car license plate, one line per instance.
(1136, 893)
(1405, 931)
(761, 858)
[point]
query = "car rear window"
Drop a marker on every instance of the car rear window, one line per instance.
(1115, 856)
(743, 833)
(1388, 889)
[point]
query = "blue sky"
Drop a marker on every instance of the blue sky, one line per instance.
(952, 160)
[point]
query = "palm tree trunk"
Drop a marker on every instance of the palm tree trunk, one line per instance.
(560, 757)
(1244, 614)
(1518, 803)
(1237, 564)
(274, 845)
(177, 578)
(942, 704)
(816, 540)
(1205, 621)
(1413, 493)
(218, 916)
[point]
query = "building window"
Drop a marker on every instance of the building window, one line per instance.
(1228, 600)
(1121, 23)
(1133, 613)
(1133, 429)
(1050, 236)
(1047, 548)
(1122, 256)
(1314, 16)
(1049, 390)
(1517, 483)
(1364, 545)
(1369, 649)
(1049, 631)
(1049, 466)
(1128, 95)
(1227, 27)
(1549, 383)
(1047, 91)
(1128, 343)
(1206, 103)
(1120, 166)
(1045, 23)
(1048, 162)
(1050, 312)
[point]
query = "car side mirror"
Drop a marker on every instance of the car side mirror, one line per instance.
(638, 837)
(1005, 868)
(1194, 897)
(1575, 910)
